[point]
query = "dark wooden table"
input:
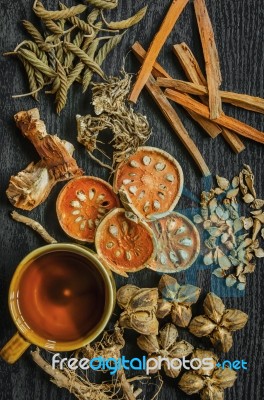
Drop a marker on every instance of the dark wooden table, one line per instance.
(239, 32)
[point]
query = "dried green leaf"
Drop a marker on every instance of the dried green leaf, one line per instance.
(212, 205)
(258, 203)
(221, 339)
(235, 182)
(238, 225)
(128, 22)
(219, 211)
(241, 286)
(232, 193)
(231, 280)
(208, 258)
(207, 224)
(210, 243)
(223, 260)
(214, 307)
(229, 245)
(224, 237)
(234, 320)
(191, 383)
(249, 268)
(223, 183)
(214, 231)
(197, 219)
(220, 273)
(201, 326)
(218, 191)
(259, 253)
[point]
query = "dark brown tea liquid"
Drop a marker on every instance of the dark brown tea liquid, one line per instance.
(61, 296)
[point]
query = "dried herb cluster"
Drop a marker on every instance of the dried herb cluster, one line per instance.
(69, 48)
(233, 239)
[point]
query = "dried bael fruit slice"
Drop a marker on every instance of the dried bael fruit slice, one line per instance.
(149, 182)
(178, 243)
(123, 244)
(81, 205)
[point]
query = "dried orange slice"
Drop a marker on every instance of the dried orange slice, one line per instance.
(81, 205)
(123, 244)
(149, 182)
(178, 243)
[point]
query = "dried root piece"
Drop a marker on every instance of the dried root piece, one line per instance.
(140, 306)
(130, 129)
(165, 345)
(218, 322)
(34, 225)
(210, 383)
(82, 204)
(123, 244)
(178, 243)
(151, 168)
(176, 300)
(32, 186)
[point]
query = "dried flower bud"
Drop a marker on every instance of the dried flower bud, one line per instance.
(191, 383)
(181, 315)
(124, 295)
(234, 320)
(221, 339)
(224, 378)
(214, 307)
(201, 326)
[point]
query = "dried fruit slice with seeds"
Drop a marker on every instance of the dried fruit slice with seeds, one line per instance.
(149, 182)
(81, 205)
(122, 244)
(178, 243)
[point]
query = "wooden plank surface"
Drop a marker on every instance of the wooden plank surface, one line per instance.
(239, 33)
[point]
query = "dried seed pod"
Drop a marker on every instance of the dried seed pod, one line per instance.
(200, 355)
(164, 308)
(221, 339)
(234, 320)
(168, 287)
(201, 326)
(191, 383)
(178, 243)
(214, 307)
(82, 194)
(181, 315)
(136, 238)
(169, 181)
(148, 343)
(167, 336)
(125, 294)
(224, 378)
(212, 392)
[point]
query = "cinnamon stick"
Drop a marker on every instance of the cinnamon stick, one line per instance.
(194, 73)
(248, 102)
(169, 112)
(160, 38)
(210, 127)
(212, 66)
(223, 120)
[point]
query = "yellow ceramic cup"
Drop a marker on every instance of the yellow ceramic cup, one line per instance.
(28, 334)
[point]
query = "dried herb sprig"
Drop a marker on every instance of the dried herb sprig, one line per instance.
(165, 345)
(210, 384)
(42, 13)
(218, 322)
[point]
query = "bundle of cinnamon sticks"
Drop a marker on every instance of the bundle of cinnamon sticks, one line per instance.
(206, 107)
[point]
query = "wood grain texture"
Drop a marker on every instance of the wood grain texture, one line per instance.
(239, 33)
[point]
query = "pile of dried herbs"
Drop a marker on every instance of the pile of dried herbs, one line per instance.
(233, 239)
(69, 46)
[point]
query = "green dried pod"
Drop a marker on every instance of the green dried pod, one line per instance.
(201, 326)
(36, 63)
(234, 320)
(127, 23)
(191, 383)
(181, 315)
(214, 307)
(42, 13)
(104, 4)
(81, 24)
(222, 339)
(125, 294)
(148, 343)
(53, 27)
(34, 32)
(211, 392)
(108, 47)
(61, 96)
(168, 335)
(31, 77)
(224, 378)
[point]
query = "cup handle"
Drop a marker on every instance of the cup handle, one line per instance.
(14, 348)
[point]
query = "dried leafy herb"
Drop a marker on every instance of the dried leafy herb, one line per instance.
(218, 322)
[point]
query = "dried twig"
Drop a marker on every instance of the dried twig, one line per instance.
(194, 73)
(211, 58)
(167, 25)
(223, 120)
(237, 99)
(169, 112)
(36, 226)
